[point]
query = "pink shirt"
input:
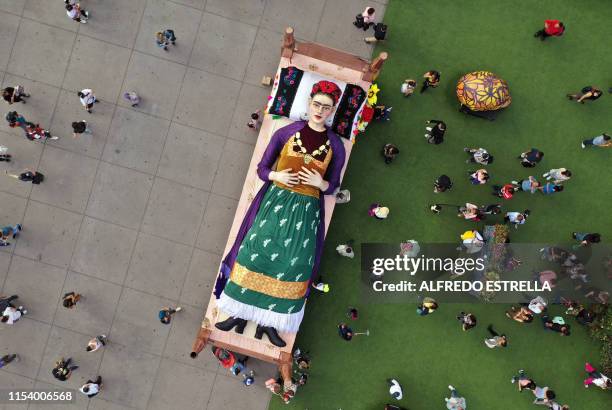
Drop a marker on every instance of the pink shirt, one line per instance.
(368, 18)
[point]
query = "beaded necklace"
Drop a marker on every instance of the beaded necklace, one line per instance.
(308, 157)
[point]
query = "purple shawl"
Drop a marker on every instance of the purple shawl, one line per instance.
(273, 150)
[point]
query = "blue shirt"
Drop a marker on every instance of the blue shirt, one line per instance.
(549, 188)
(526, 185)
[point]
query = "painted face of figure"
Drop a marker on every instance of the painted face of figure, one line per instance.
(320, 107)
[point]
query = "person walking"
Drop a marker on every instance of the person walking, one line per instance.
(15, 119)
(79, 128)
(88, 98)
(352, 313)
(478, 155)
(75, 12)
(14, 94)
(601, 141)
(63, 370)
(467, 320)
(34, 132)
(9, 231)
(517, 218)
(558, 175)
(435, 131)
(389, 152)
(380, 33)
(164, 38)
(552, 28)
(365, 19)
(530, 159)
(7, 358)
(10, 315)
(408, 87)
(70, 299)
(4, 155)
(27, 175)
(165, 314)
(496, 340)
(587, 93)
(132, 98)
(432, 79)
(455, 401)
(92, 387)
(585, 238)
(96, 343)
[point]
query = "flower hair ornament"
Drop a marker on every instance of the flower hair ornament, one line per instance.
(328, 88)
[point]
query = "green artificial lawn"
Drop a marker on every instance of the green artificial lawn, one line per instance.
(427, 353)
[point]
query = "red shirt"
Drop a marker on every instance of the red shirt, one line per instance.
(507, 191)
(553, 27)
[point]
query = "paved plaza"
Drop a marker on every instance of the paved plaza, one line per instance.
(135, 216)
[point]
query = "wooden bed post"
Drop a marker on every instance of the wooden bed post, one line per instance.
(200, 342)
(284, 368)
(375, 67)
(288, 43)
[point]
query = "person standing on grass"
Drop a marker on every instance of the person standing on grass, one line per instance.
(380, 33)
(523, 382)
(345, 332)
(28, 176)
(585, 239)
(478, 155)
(79, 128)
(468, 321)
(432, 79)
(552, 28)
(587, 93)
(550, 188)
(389, 152)
(602, 141)
(530, 159)
(14, 94)
(442, 184)
(346, 249)
(395, 389)
(435, 131)
(88, 98)
(455, 401)
(517, 218)
(496, 340)
(96, 343)
(7, 358)
(558, 175)
(91, 388)
(165, 314)
(428, 306)
(408, 87)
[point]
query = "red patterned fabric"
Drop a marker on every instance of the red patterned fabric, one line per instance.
(328, 88)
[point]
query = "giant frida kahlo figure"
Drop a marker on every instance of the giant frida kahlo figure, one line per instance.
(265, 276)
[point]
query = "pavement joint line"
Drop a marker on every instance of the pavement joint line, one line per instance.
(96, 175)
(319, 20)
(28, 200)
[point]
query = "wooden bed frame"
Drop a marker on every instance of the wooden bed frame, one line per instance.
(327, 62)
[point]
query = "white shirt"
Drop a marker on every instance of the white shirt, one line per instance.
(367, 18)
(93, 389)
(72, 13)
(95, 344)
(512, 217)
(88, 97)
(395, 388)
(12, 313)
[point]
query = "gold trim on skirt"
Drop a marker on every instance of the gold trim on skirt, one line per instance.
(267, 285)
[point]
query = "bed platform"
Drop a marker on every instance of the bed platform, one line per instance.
(334, 65)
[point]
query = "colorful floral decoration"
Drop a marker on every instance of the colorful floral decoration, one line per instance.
(328, 88)
(483, 91)
(349, 105)
(287, 88)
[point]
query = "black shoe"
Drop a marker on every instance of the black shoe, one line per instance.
(229, 323)
(275, 339)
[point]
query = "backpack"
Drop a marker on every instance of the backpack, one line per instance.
(359, 22)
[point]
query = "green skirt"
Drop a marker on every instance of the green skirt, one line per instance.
(270, 277)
